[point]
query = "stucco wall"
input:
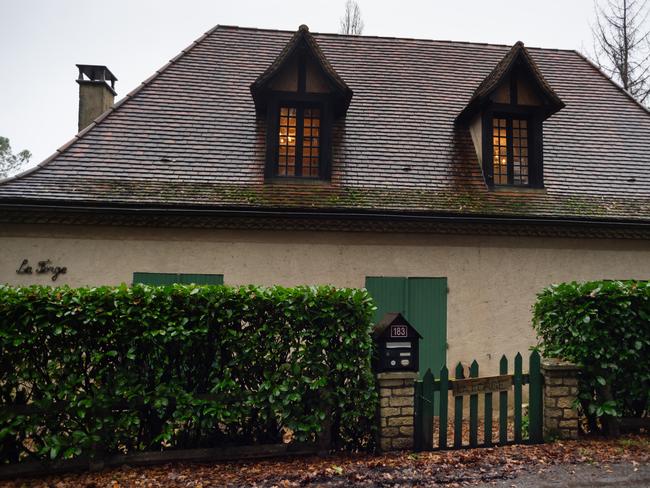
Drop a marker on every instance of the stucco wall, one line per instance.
(492, 280)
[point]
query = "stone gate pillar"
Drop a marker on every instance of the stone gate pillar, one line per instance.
(396, 409)
(560, 393)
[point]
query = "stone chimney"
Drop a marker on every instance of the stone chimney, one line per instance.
(95, 94)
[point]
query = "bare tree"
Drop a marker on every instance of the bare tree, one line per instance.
(622, 44)
(10, 162)
(351, 23)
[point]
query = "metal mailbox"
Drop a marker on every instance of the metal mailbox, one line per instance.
(397, 344)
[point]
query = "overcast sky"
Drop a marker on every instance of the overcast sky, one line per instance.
(42, 40)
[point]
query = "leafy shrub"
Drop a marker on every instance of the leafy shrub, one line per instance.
(118, 369)
(605, 327)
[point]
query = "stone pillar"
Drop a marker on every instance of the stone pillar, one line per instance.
(396, 397)
(560, 392)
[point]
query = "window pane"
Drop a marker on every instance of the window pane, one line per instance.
(500, 152)
(520, 154)
(311, 142)
(289, 162)
(287, 141)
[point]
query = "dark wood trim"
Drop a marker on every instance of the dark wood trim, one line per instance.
(513, 88)
(536, 145)
(325, 151)
(509, 151)
(302, 74)
(534, 116)
(302, 97)
(524, 110)
(271, 137)
(300, 137)
(486, 128)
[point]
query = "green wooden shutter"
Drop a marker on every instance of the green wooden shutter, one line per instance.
(182, 278)
(389, 294)
(202, 279)
(423, 301)
(155, 278)
(426, 309)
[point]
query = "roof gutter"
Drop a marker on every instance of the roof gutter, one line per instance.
(320, 214)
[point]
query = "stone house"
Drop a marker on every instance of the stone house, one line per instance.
(453, 180)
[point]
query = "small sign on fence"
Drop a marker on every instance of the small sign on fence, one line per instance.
(486, 384)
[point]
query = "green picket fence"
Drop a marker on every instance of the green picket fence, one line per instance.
(475, 387)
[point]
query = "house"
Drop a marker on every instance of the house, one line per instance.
(453, 180)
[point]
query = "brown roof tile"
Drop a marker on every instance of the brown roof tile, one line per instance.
(190, 135)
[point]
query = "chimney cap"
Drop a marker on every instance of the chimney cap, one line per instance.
(96, 73)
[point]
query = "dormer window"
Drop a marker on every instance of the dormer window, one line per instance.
(510, 151)
(299, 141)
(300, 95)
(505, 117)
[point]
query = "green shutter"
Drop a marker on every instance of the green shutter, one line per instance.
(172, 278)
(155, 278)
(388, 293)
(202, 279)
(426, 309)
(423, 301)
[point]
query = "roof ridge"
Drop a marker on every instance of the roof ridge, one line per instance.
(422, 39)
(110, 110)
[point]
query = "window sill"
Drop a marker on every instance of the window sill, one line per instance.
(518, 189)
(287, 180)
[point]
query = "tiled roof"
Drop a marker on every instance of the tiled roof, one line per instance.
(189, 136)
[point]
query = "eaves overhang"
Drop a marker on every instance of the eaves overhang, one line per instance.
(312, 219)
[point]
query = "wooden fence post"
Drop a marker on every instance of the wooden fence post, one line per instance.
(458, 412)
(503, 405)
(535, 400)
(427, 410)
(444, 403)
(473, 409)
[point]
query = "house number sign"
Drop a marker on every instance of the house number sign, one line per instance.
(43, 267)
(399, 330)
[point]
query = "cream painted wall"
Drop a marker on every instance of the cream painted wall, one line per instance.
(492, 280)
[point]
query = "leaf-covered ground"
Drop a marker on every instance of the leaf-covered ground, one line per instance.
(449, 468)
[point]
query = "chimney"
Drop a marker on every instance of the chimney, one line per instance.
(95, 94)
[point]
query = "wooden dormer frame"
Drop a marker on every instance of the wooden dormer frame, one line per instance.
(517, 66)
(302, 50)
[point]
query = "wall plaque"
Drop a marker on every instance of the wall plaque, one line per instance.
(487, 384)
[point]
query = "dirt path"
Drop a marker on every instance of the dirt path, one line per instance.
(624, 475)
(566, 464)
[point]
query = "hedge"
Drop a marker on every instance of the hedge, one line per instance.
(122, 369)
(605, 327)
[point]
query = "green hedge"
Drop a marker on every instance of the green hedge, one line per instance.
(605, 327)
(122, 369)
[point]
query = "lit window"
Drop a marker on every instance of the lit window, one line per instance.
(299, 141)
(510, 151)
(287, 142)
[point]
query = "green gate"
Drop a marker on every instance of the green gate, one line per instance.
(508, 431)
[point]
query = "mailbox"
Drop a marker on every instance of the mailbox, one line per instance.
(397, 344)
